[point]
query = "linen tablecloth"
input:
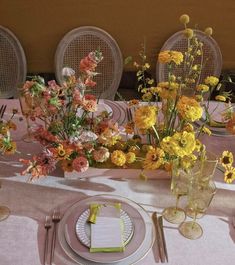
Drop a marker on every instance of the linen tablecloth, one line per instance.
(22, 234)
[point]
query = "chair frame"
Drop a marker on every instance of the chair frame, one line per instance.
(179, 36)
(116, 52)
(21, 61)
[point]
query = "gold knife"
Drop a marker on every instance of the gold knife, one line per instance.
(158, 237)
(160, 222)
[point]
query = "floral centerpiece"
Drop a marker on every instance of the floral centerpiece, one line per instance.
(75, 137)
(7, 145)
(169, 124)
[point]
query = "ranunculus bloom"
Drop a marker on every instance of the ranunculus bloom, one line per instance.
(80, 164)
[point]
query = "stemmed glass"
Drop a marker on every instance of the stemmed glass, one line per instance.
(4, 210)
(25, 109)
(180, 182)
(199, 199)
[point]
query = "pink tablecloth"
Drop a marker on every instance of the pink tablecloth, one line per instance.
(22, 234)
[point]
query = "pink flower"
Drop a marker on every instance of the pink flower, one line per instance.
(80, 164)
(87, 64)
(89, 82)
(101, 155)
(90, 105)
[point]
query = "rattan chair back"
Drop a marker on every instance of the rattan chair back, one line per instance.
(211, 60)
(12, 64)
(77, 43)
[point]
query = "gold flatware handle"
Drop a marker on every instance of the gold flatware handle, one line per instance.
(160, 222)
(158, 237)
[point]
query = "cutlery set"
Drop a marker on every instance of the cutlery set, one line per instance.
(51, 222)
(2, 110)
(160, 237)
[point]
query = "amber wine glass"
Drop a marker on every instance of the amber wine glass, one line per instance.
(4, 210)
(199, 199)
(180, 182)
(25, 109)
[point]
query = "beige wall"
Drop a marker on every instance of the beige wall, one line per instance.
(40, 24)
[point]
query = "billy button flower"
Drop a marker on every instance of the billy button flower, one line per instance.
(227, 159)
(184, 19)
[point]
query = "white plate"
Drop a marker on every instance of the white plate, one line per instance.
(136, 249)
(83, 228)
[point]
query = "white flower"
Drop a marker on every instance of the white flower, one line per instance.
(87, 136)
(67, 71)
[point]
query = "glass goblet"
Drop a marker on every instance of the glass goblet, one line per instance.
(25, 109)
(199, 199)
(180, 181)
(4, 210)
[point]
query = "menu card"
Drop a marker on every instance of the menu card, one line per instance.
(107, 231)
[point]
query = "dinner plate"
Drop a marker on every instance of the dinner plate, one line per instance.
(215, 111)
(118, 111)
(135, 250)
(83, 228)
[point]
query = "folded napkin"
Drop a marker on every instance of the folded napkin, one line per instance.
(106, 228)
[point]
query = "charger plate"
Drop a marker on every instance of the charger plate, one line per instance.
(136, 249)
(83, 228)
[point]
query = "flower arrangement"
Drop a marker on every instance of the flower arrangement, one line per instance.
(75, 137)
(7, 145)
(168, 124)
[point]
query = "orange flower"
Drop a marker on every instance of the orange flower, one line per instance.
(67, 165)
(230, 126)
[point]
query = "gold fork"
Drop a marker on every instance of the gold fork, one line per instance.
(47, 226)
(55, 219)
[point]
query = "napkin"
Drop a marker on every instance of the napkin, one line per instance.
(106, 228)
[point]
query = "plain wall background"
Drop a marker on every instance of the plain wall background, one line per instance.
(40, 24)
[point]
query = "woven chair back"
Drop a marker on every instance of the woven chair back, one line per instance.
(77, 43)
(211, 60)
(12, 64)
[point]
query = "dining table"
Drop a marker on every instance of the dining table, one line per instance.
(22, 234)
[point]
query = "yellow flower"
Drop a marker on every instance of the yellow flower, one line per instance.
(168, 145)
(229, 175)
(129, 127)
(211, 80)
(154, 159)
(188, 127)
(227, 159)
(146, 148)
(118, 158)
(189, 109)
(188, 33)
(134, 149)
(187, 161)
(208, 31)
(147, 96)
(206, 130)
(133, 102)
(170, 56)
(130, 157)
(220, 98)
(202, 88)
(198, 145)
(185, 143)
(184, 19)
(145, 117)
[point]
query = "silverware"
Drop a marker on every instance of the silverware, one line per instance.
(2, 110)
(158, 237)
(47, 226)
(55, 219)
(160, 222)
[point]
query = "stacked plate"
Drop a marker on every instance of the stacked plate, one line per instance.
(74, 232)
(216, 109)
